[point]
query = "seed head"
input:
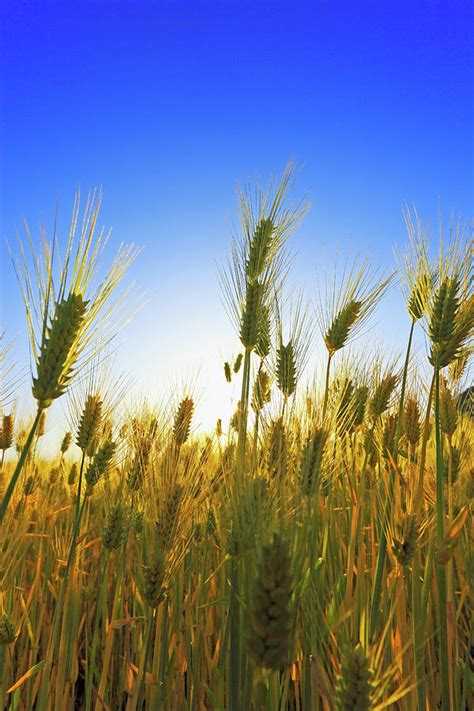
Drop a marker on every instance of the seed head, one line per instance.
(337, 334)
(417, 300)
(101, 463)
(89, 425)
(271, 619)
(310, 469)
(370, 447)
(6, 432)
(238, 363)
(135, 476)
(116, 528)
(354, 688)
(359, 403)
(388, 435)
(55, 364)
(404, 546)
(235, 419)
(380, 399)
(249, 328)
(30, 485)
(344, 408)
(7, 631)
(66, 443)
(153, 590)
(259, 249)
(182, 421)
(264, 338)
(286, 369)
(450, 323)
(277, 449)
(417, 274)
(452, 465)
(457, 367)
(72, 476)
(411, 421)
(137, 521)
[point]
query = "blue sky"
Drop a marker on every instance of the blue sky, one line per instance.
(167, 105)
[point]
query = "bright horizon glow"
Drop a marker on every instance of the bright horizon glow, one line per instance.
(169, 105)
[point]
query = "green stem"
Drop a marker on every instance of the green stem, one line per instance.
(79, 487)
(255, 442)
(16, 474)
(440, 569)
(43, 696)
(417, 628)
(306, 680)
(274, 690)
(141, 682)
(425, 589)
(161, 676)
(242, 439)
(234, 612)
(91, 666)
(326, 387)
(467, 670)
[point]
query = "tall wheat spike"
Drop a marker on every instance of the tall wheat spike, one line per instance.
(58, 352)
(411, 422)
(348, 302)
(255, 271)
(71, 314)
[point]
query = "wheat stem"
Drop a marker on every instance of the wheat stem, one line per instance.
(243, 415)
(417, 628)
(255, 441)
(440, 568)
(234, 658)
(91, 663)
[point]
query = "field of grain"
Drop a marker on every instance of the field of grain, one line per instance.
(313, 553)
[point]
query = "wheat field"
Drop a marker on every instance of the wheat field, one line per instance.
(312, 553)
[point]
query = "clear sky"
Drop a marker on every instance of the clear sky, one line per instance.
(167, 105)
